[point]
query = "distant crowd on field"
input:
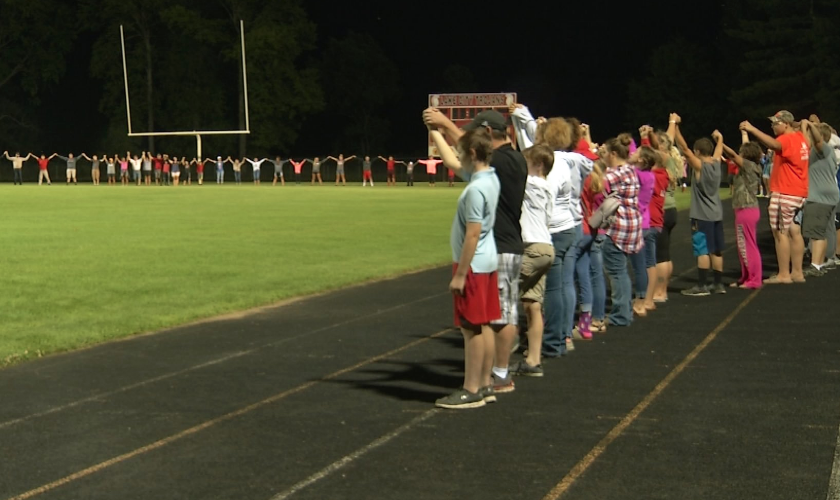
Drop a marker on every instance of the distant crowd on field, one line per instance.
(539, 228)
(163, 170)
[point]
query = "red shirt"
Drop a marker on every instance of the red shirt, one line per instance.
(199, 167)
(298, 165)
(42, 164)
(657, 201)
(732, 167)
(166, 167)
(390, 165)
(790, 166)
(158, 163)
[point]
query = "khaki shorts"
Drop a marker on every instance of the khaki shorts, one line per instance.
(536, 261)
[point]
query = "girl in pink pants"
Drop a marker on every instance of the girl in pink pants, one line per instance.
(747, 214)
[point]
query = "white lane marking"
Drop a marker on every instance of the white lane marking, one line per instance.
(834, 481)
(100, 396)
(326, 471)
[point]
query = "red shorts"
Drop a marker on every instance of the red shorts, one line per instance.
(480, 303)
(390, 171)
(367, 174)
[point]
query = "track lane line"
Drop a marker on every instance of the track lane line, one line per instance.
(103, 395)
(210, 423)
(581, 467)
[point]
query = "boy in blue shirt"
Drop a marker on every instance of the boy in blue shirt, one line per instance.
(474, 284)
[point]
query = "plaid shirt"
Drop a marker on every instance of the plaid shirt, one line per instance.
(626, 231)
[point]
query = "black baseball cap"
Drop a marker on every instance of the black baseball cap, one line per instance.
(489, 118)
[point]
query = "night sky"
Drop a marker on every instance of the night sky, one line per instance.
(568, 59)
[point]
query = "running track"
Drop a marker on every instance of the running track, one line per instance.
(331, 397)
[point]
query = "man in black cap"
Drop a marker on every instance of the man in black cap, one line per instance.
(512, 171)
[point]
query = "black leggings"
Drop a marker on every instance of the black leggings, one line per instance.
(663, 238)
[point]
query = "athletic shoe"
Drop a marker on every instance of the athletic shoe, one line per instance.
(460, 400)
(503, 385)
(813, 272)
(488, 394)
(584, 325)
(718, 289)
(570, 346)
(830, 265)
(523, 368)
(697, 291)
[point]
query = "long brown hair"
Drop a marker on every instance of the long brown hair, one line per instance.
(596, 184)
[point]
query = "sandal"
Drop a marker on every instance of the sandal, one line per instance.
(598, 327)
(774, 280)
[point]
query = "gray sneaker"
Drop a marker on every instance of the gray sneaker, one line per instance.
(697, 291)
(830, 265)
(460, 400)
(813, 272)
(503, 385)
(523, 368)
(718, 289)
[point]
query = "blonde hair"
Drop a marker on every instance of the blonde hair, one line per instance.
(556, 133)
(596, 184)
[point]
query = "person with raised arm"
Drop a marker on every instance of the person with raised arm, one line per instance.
(186, 177)
(220, 169)
(94, 167)
(237, 170)
(366, 172)
(43, 172)
(147, 167)
(706, 211)
(409, 173)
(199, 168)
(390, 167)
(71, 167)
(431, 168)
(111, 169)
(157, 162)
(17, 165)
(339, 168)
(255, 165)
(474, 284)
(175, 170)
(278, 171)
(298, 166)
(167, 169)
(823, 197)
(316, 171)
(788, 191)
(745, 204)
(136, 166)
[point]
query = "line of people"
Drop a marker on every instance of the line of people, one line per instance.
(164, 170)
(549, 227)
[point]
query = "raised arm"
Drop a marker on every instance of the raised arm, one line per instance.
(693, 161)
(6, 154)
(765, 139)
(812, 134)
(433, 118)
(718, 137)
(52, 156)
(85, 156)
(732, 154)
(349, 158)
(450, 159)
(524, 124)
(673, 119)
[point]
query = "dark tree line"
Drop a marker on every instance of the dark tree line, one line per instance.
(184, 70)
(766, 55)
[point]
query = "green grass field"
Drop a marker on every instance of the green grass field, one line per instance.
(86, 264)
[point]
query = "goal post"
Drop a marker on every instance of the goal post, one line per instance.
(195, 133)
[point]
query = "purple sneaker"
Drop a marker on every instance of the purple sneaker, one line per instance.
(584, 324)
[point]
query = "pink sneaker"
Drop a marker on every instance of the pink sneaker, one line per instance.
(584, 324)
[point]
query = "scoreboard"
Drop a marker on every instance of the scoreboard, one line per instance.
(462, 108)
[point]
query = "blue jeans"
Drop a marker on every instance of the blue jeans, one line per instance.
(615, 266)
(582, 273)
(569, 291)
(554, 343)
(237, 176)
(637, 260)
(220, 176)
(596, 274)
